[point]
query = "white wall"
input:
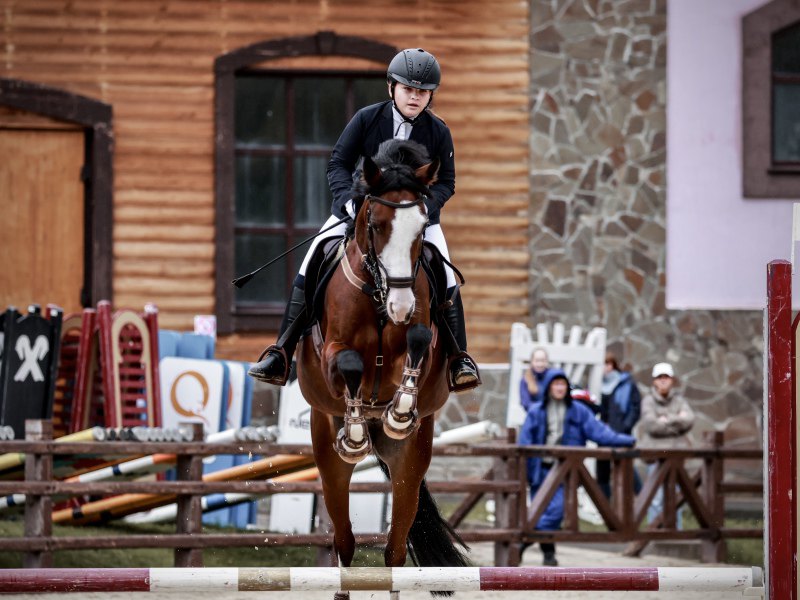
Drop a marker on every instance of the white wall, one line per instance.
(718, 243)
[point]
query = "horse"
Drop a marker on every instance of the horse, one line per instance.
(377, 334)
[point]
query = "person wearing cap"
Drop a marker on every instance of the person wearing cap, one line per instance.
(412, 77)
(557, 420)
(665, 423)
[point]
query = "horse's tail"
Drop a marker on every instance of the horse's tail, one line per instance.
(432, 540)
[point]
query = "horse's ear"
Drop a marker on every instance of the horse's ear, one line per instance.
(372, 173)
(427, 173)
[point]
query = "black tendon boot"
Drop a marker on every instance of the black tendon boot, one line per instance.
(275, 367)
(462, 373)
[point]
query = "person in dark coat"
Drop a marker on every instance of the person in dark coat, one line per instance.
(412, 77)
(620, 407)
(557, 420)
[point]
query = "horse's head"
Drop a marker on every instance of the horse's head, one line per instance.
(392, 221)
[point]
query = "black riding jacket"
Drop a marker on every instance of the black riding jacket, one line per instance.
(364, 133)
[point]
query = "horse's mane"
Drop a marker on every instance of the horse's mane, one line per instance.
(398, 160)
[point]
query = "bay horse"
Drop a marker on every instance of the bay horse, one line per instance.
(374, 372)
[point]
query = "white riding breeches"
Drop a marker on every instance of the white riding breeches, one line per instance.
(433, 234)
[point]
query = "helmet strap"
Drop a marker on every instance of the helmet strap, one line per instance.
(400, 112)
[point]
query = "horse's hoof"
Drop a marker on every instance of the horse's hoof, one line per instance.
(399, 433)
(341, 596)
(349, 453)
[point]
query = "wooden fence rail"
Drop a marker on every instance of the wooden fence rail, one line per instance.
(703, 491)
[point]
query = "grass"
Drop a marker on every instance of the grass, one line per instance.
(249, 556)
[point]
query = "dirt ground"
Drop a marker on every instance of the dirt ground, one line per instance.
(568, 556)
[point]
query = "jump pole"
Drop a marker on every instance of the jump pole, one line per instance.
(780, 445)
(400, 579)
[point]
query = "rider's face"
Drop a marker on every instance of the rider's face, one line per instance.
(410, 101)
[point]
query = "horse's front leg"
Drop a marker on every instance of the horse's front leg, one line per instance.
(400, 417)
(352, 441)
(408, 462)
(335, 475)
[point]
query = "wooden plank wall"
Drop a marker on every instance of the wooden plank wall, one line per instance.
(153, 61)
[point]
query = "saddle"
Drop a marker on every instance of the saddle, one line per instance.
(319, 271)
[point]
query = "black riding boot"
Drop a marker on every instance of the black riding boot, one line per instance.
(463, 373)
(275, 367)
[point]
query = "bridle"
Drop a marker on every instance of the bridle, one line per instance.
(372, 262)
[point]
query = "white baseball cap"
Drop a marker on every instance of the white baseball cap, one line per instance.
(663, 369)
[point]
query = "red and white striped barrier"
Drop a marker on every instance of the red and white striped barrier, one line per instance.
(432, 579)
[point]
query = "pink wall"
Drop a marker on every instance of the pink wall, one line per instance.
(718, 243)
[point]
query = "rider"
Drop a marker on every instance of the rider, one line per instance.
(412, 77)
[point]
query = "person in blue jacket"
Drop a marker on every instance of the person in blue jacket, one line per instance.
(559, 421)
(620, 407)
(530, 386)
(412, 78)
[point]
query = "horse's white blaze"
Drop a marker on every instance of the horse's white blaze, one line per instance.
(396, 257)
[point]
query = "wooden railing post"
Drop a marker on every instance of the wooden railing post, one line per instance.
(622, 493)
(38, 509)
(189, 519)
(515, 557)
(506, 512)
(714, 549)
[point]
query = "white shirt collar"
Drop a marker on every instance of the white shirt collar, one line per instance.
(400, 129)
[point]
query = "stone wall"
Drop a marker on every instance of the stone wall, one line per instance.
(598, 208)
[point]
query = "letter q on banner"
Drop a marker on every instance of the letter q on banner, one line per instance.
(191, 392)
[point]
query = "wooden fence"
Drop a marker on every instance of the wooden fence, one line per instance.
(703, 490)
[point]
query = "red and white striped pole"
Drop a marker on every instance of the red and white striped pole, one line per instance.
(432, 579)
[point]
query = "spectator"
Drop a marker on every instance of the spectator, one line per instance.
(558, 421)
(619, 409)
(666, 421)
(531, 384)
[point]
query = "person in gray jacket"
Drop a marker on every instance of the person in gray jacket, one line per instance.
(665, 423)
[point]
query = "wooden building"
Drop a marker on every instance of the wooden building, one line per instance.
(140, 142)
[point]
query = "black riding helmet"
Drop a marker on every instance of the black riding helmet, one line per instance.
(415, 68)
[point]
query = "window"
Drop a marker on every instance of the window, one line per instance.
(286, 125)
(277, 119)
(786, 99)
(771, 101)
